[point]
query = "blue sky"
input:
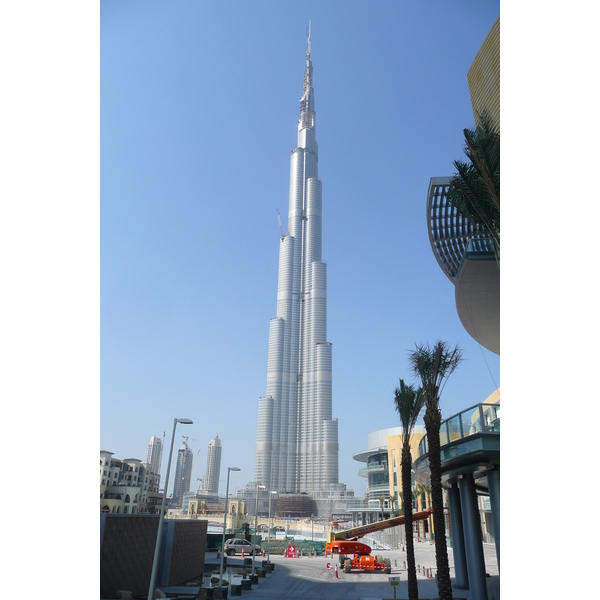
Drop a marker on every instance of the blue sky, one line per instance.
(199, 105)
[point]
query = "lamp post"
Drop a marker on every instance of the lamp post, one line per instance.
(312, 525)
(161, 517)
(229, 469)
(269, 538)
(258, 487)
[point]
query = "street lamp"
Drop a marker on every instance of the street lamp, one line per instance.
(312, 530)
(162, 510)
(269, 538)
(258, 487)
(229, 469)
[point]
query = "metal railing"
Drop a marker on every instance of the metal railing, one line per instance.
(481, 418)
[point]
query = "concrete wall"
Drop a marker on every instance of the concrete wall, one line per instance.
(127, 545)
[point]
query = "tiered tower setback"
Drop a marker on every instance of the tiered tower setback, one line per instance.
(297, 439)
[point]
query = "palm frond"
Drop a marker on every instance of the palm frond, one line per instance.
(433, 366)
(409, 402)
(475, 187)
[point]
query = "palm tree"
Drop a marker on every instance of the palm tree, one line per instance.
(381, 501)
(475, 188)
(419, 496)
(427, 492)
(409, 403)
(433, 366)
(424, 492)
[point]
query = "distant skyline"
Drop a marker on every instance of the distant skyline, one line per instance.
(196, 106)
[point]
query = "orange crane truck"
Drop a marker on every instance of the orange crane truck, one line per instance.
(346, 542)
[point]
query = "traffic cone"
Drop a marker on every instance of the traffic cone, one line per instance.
(242, 553)
(336, 575)
(263, 552)
(430, 573)
(285, 553)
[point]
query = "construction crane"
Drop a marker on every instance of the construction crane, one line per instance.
(187, 437)
(280, 225)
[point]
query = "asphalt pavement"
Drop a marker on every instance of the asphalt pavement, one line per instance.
(315, 577)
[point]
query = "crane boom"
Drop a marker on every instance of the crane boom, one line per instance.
(357, 532)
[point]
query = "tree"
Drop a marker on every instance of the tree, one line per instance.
(381, 501)
(409, 403)
(475, 189)
(433, 366)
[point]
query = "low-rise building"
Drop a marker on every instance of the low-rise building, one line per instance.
(127, 486)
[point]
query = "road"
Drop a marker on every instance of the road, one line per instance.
(301, 578)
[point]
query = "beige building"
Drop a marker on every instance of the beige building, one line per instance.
(421, 501)
(484, 77)
(127, 486)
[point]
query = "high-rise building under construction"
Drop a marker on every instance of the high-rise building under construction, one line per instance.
(297, 438)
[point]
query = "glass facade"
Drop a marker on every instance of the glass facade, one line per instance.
(475, 419)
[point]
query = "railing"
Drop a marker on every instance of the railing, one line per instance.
(373, 468)
(476, 419)
(477, 248)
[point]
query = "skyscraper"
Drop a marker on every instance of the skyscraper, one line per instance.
(297, 439)
(183, 472)
(213, 466)
(154, 454)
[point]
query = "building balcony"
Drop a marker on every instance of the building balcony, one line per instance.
(476, 419)
(469, 442)
(371, 469)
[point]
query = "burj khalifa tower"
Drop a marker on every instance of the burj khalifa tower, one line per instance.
(297, 438)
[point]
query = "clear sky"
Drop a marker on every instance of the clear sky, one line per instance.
(198, 112)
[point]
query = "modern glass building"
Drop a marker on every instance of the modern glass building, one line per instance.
(154, 459)
(213, 466)
(297, 438)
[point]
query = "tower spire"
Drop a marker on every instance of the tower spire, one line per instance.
(307, 102)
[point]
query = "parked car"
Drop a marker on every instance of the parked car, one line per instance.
(235, 546)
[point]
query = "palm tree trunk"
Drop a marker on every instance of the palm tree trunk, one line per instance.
(432, 420)
(413, 588)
